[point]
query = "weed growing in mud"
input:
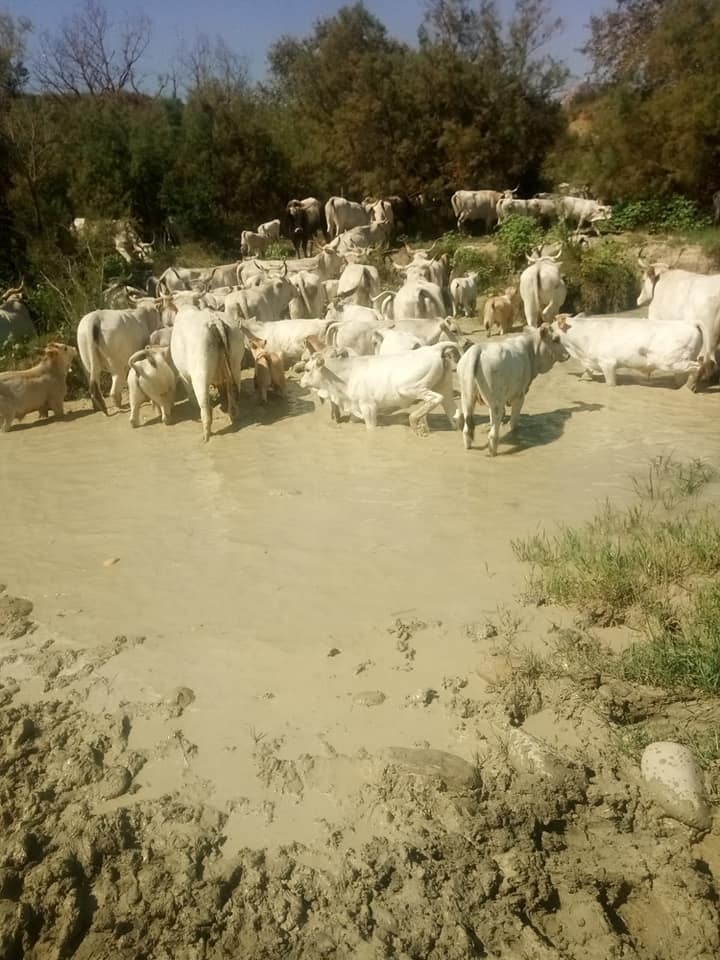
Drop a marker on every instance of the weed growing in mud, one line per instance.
(668, 481)
(649, 565)
(682, 646)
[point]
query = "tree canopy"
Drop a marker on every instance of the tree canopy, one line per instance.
(347, 108)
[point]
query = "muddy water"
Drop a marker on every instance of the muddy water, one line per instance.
(244, 562)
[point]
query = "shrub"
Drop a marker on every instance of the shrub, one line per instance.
(278, 250)
(492, 272)
(674, 214)
(516, 237)
(600, 279)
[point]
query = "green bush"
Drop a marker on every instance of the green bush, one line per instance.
(492, 272)
(279, 250)
(516, 237)
(675, 214)
(600, 279)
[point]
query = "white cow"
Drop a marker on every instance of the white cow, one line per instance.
(542, 289)
(310, 299)
(367, 386)
(582, 211)
(360, 239)
(355, 335)
(270, 229)
(381, 211)
(359, 283)
(430, 331)
(265, 302)
(680, 295)
(342, 214)
(606, 344)
(106, 340)
(464, 292)
(206, 349)
(511, 207)
(389, 341)
(253, 244)
(180, 278)
(286, 338)
(418, 298)
(501, 373)
(327, 265)
(151, 377)
(476, 205)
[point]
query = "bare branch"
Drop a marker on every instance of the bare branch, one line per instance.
(91, 54)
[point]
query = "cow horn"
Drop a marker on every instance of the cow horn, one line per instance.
(677, 258)
(13, 291)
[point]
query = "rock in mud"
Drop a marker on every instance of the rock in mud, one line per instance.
(424, 696)
(115, 783)
(14, 613)
(675, 783)
(370, 698)
(528, 754)
(436, 764)
(180, 700)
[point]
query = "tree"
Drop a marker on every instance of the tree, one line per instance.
(91, 54)
(13, 73)
(619, 38)
(653, 125)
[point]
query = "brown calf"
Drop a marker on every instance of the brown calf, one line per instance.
(42, 387)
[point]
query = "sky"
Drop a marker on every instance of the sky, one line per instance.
(249, 27)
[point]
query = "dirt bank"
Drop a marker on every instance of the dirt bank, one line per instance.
(416, 852)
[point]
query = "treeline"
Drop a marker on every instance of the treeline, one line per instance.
(347, 108)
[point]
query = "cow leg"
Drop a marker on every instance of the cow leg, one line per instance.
(467, 419)
(116, 390)
(201, 387)
(368, 411)
(5, 423)
(515, 408)
(136, 398)
(496, 416)
(418, 418)
(608, 371)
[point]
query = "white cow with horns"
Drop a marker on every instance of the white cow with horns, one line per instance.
(501, 374)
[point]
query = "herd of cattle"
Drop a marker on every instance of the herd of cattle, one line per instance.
(365, 350)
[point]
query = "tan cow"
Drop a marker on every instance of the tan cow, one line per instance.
(500, 311)
(269, 370)
(42, 387)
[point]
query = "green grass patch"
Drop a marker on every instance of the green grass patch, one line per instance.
(653, 563)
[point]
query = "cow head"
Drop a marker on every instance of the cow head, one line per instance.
(549, 348)
(59, 355)
(650, 277)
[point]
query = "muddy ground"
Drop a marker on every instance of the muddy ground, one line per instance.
(269, 701)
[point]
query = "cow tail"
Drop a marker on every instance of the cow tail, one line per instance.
(220, 331)
(331, 332)
(466, 372)
(93, 360)
(303, 294)
(455, 204)
(537, 310)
